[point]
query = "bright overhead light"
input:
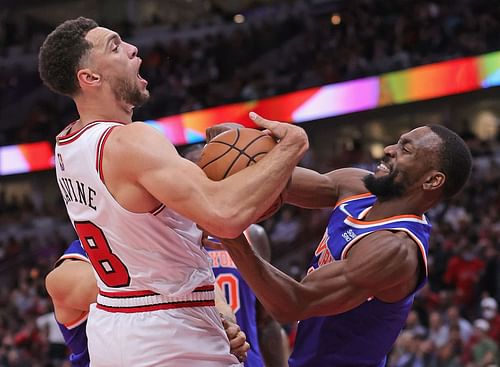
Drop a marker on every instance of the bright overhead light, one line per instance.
(239, 18)
(336, 19)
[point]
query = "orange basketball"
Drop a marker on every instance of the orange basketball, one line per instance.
(234, 150)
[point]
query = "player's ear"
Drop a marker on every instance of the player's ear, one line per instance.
(434, 180)
(87, 78)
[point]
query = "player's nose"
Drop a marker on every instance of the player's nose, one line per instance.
(132, 51)
(390, 150)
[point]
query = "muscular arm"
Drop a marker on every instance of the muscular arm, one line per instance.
(383, 264)
(269, 330)
(139, 156)
(72, 287)
(222, 305)
(310, 189)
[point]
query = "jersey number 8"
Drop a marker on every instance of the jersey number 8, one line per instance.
(111, 270)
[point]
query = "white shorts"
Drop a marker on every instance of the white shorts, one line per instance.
(182, 337)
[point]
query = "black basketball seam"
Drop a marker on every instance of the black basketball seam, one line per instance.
(223, 143)
(241, 152)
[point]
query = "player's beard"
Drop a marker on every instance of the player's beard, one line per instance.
(129, 92)
(386, 187)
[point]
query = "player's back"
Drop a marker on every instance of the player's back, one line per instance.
(157, 251)
(363, 336)
(156, 292)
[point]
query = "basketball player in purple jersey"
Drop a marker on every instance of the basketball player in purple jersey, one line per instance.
(263, 333)
(73, 288)
(72, 293)
(373, 255)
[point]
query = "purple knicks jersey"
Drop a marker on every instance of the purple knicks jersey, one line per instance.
(74, 333)
(363, 336)
(241, 299)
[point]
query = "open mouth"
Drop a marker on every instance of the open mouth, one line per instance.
(141, 79)
(383, 167)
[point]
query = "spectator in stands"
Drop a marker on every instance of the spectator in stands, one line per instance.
(438, 331)
(463, 271)
(454, 318)
(414, 325)
(481, 349)
(489, 312)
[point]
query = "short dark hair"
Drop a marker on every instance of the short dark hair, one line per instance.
(454, 160)
(61, 54)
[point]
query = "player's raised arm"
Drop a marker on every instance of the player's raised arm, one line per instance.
(224, 208)
(310, 189)
(389, 273)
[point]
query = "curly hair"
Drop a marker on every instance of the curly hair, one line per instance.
(61, 55)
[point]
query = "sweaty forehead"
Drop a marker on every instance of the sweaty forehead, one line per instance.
(98, 36)
(423, 138)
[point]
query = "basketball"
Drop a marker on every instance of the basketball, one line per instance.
(234, 150)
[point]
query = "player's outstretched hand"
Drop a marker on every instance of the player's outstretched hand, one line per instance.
(237, 340)
(215, 130)
(286, 133)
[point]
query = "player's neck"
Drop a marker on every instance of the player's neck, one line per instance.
(397, 206)
(102, 109)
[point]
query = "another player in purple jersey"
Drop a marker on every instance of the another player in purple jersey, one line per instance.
(264, 334)
(372, 259)
(72, 287)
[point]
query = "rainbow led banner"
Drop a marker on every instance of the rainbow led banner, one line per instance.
(411, 85)
(24, 158)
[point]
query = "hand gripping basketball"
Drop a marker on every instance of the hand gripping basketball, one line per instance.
(234, 150)
(286, 134)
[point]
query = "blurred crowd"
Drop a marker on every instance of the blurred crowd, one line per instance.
(455, 320)
(289, 46)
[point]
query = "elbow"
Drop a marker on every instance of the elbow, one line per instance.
(288, 314)
(52, 287)
(226, 223)
(288, 309)
(228, 231)
(49, 284)
(284, 319)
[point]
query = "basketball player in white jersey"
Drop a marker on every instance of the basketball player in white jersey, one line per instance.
(72, 288)
(134, 202)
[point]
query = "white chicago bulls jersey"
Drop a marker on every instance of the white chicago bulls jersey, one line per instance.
(158, 251)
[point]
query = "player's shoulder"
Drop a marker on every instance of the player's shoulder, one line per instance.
(394, 246)
(138, 130)
(133, 139)
(348, 181)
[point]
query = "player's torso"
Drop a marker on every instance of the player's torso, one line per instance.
(364, 335)
(158, 251)
(241, 299)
